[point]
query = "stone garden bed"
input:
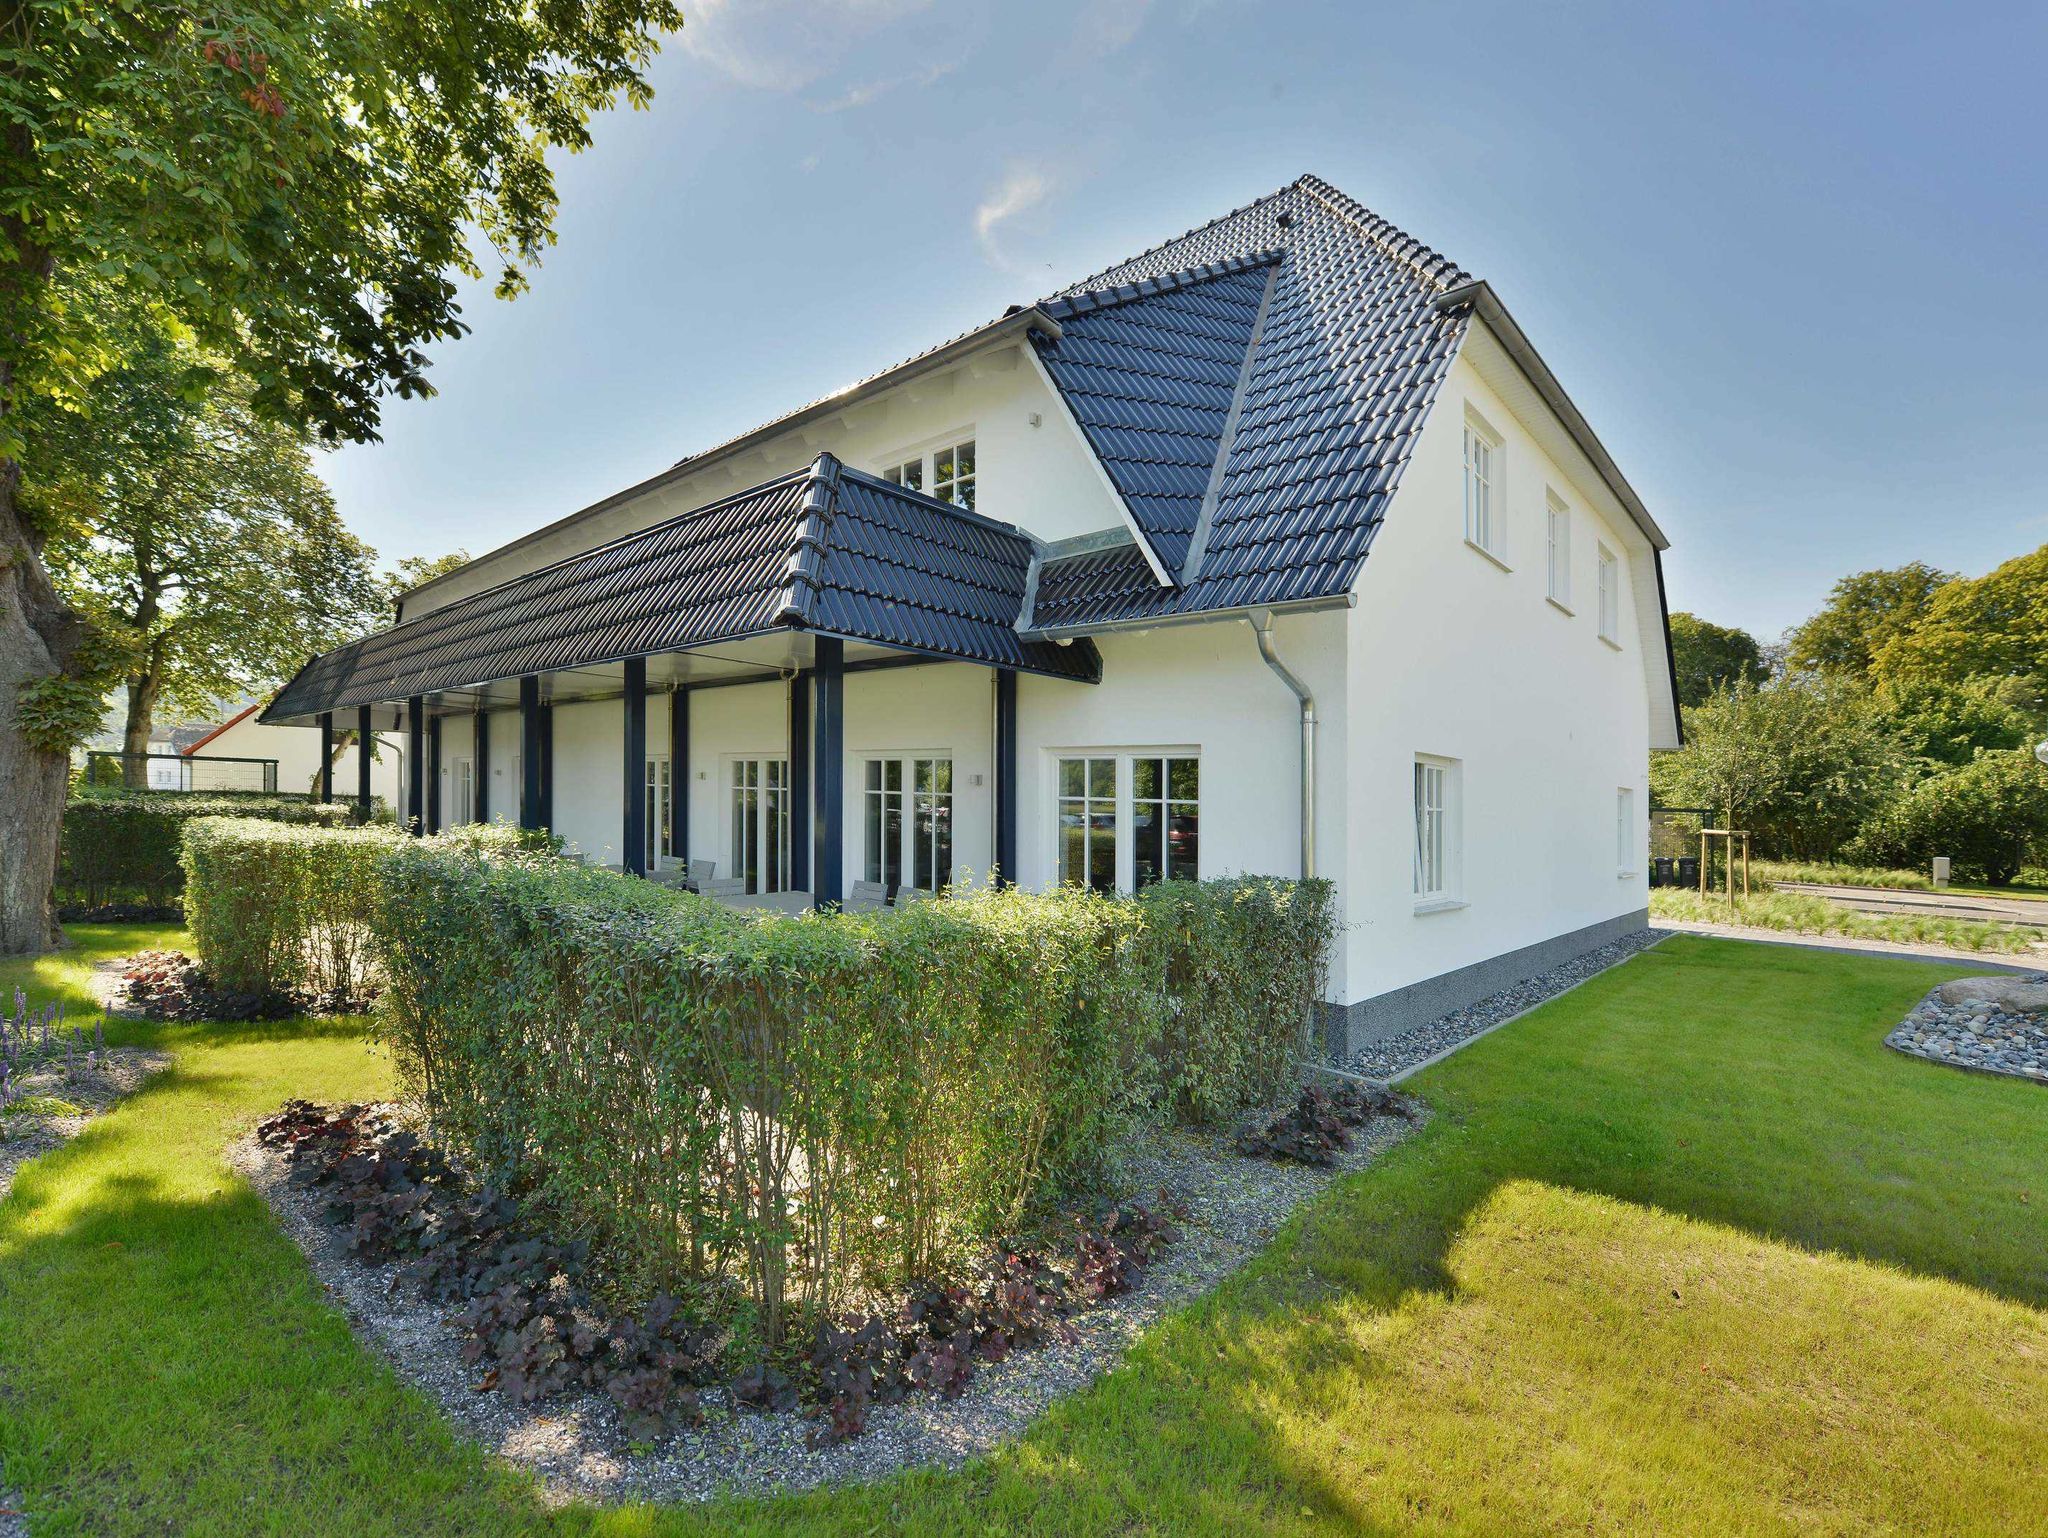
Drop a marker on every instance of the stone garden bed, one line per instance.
(1227, 1205)
(1989, 1024)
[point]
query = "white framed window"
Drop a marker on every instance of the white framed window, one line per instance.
(1625, 839)
(907, 821)
(1437, 850)
(757, 822)
(1610, 597)
(946, 470)
(1486, 520)
(1558, 550)
(464, 791)
(660, 835)
(1127, 818)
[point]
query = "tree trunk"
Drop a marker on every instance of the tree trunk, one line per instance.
(38, 635)
(142, 692)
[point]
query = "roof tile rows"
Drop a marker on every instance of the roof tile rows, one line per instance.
(827, 549)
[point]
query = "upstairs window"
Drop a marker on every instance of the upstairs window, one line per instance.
(1559, 551)
(1485, 498)
(1610, 597)
(947, 472)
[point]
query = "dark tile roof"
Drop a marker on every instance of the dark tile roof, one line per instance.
(1349, 360)
(1149, 371)
(826, 549)
(1098, 585)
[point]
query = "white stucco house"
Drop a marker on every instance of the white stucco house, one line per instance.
(244, 738)
(1274, 549)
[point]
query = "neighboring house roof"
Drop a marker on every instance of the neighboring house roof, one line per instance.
(827, 549)
(236, 719)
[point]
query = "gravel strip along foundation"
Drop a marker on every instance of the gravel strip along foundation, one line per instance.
(25, 1134)
(1991, 1024)
(1235, 1205)
(1434, 1038)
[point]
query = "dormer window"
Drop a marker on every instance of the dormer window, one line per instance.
(947, 471)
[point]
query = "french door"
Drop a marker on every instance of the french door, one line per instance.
(758, 822)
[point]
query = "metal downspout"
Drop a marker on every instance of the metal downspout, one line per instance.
(1262, 627)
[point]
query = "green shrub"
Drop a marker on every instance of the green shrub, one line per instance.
(815, 1107)
(1988, 816)
(123, 848)
(1246, 963)
(282, 910)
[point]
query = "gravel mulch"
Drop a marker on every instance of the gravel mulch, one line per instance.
(1234, 1204)
(1973, 1023)
(25, 1134)
(1417, 1045)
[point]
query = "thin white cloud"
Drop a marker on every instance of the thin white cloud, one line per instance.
(783, 45)
(870, 92)
(1022, 189)
(1110, 26)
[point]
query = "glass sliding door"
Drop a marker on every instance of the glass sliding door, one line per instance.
(758, 820)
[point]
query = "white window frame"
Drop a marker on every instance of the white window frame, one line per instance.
(1610, 597)
(658, 800)
(1485, 482)
(1557, 549)
(1123, 803)
(913, 803)
(462, 790)
(1437, 833)
(1626, 844)
(763, 820)
(926, 461)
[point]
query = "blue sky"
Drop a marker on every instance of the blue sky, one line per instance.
(1786, 258)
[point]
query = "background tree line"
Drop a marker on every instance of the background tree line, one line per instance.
(1894, 725)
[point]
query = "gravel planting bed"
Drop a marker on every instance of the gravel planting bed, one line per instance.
(1234, 1206)
(1417, 1045)
(1991, 1024)
(25, 1133)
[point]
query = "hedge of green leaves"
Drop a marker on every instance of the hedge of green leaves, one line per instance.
(123, 848)
(277, 910)
(815, 1107)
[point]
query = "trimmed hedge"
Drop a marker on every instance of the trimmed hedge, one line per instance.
(124, 848)
(800, 1111)
(282, 912)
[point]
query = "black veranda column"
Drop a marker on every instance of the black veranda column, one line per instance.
(679, 774)
(547, 764)
(1006, 776)
(529, 753)
(434, 775)
(366, 736)
(416, 765)
(828, 731)
(800, 781)
(634, 832)
(326, 756)
(480, 769)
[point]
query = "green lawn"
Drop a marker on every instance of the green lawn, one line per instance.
(1686, 1251)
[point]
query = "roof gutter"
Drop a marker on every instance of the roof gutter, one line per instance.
(1262, 627)
(1487, 306)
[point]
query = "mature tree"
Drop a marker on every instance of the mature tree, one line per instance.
(1995, 625)
(1953, 723)
(298, 182)
(416, 571)
(1863, 613)
(1800, 763)
(1989, 815)
(194, 524)
(1706, 656)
